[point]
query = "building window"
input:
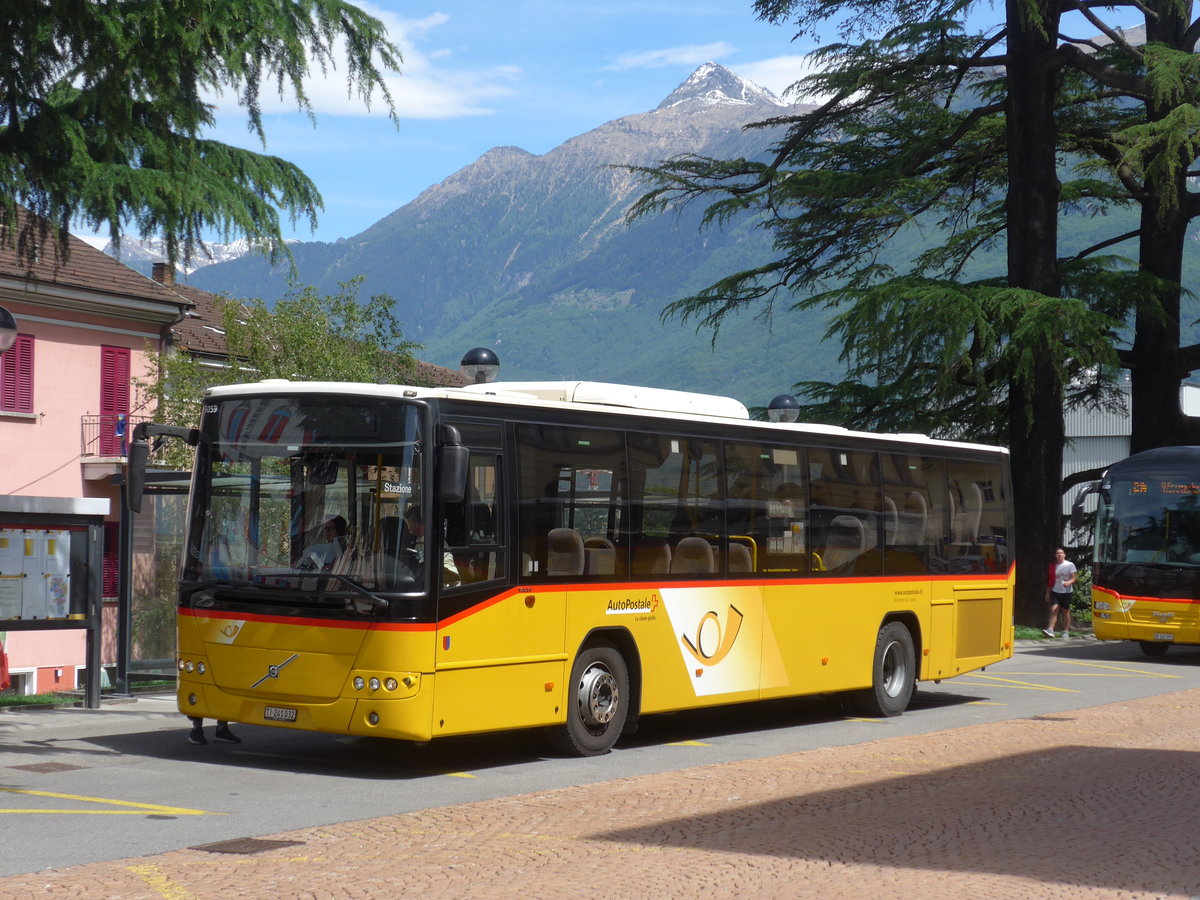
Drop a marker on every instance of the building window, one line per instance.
(16, 376)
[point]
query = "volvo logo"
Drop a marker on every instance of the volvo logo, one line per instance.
(273, 671)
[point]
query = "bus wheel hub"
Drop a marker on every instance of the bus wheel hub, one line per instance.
(598, 696)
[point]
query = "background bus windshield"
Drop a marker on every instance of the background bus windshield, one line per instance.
(1150, 520)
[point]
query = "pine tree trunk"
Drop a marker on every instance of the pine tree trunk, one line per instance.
(1035, 395)
(1156, 367)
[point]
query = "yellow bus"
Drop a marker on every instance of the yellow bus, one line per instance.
(1147, 554)
(416, 563)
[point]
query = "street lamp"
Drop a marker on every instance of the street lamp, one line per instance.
(8, 329)
(783, 408)
(480, 364)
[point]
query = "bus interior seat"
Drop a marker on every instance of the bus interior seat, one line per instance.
(740, 559)
(845, 542)
(916, 517)
(651, 558)
(891, 522)
(564, 552)
(693, 555)
(599, 556)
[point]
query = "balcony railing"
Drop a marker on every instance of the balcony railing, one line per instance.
(107, 436)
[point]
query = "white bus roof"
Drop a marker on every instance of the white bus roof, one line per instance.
(599, 396)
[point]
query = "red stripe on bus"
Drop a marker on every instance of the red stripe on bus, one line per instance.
(1120, 596)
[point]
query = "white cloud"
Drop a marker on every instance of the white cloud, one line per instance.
(779, 73)
(692, 55)
(427, 87)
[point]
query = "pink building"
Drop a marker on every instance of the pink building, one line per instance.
(67, 403)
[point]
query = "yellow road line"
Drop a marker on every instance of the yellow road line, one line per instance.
(996, 681)
(688, 744)
(166, 888)
(137, 808)
(1149, 673)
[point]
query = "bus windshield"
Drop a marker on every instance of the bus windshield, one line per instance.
(319, 497)
(1149, 520)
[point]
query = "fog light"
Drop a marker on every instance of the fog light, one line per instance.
(192, 699)
(373, 718)
(1104, 615)
(391, 684)
(374, 683)
(359, 682)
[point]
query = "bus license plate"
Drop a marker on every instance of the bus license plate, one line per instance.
(279, 714)
(1163, 637)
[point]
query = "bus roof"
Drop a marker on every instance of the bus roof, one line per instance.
(601, 397)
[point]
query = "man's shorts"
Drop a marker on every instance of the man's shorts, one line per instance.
(1059, 599)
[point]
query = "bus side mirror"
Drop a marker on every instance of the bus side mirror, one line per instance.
(1077, 506)
(453, 465)
(139, 457)
(135, 474)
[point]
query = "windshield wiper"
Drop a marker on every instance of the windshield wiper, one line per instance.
(378, 604)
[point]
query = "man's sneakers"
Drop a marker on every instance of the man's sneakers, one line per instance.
(225, 736)
(222, 735)
(1047, 632)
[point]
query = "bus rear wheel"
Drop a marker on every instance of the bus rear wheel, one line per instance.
(893, 674)
(597, 702)
(1154, 648)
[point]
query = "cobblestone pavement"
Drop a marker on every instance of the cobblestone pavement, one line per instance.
(1100, 802)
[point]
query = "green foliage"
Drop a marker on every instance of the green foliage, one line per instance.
(105, 105)
(306, 337)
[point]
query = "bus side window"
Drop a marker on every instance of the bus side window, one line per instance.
(570, 480)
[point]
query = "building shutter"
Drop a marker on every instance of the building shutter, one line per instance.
(16, 376)
(114, 397)
(111, 569)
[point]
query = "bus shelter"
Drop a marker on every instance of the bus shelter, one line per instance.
(51, 557)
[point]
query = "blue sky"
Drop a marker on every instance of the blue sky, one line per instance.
(528, 73)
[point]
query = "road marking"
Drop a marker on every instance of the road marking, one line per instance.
(1146, 672)
(459, 774)
(996, 681)
(166, 888)
(688, 744)
(986, 703)
(868, 721)
(138, 809)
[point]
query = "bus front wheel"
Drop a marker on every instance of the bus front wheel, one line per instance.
(597, 702)
(893, 674)
(1154, 648)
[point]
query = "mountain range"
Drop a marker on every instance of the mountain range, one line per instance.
(531, 255)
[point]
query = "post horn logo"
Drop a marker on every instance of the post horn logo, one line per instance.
(713, 643)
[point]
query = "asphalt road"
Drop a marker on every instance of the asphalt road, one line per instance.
(79, 786)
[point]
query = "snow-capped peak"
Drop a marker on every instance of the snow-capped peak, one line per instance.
(712, 83)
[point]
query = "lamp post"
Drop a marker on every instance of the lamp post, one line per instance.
(783, 408)
(8, 329)
(480, 364)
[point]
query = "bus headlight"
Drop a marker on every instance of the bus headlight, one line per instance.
(391, 684)
(201, 668)
(359, 682)
(374, 683)
(1101, 604)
